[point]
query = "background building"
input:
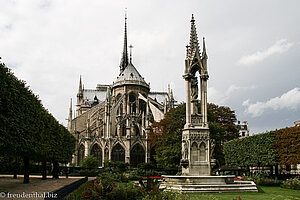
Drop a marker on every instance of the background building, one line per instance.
(112, 121)
(243, 129)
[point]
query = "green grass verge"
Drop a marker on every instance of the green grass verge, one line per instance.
(265, 193)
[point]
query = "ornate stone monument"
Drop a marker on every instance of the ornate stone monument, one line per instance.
(196, 143)
(197, 147)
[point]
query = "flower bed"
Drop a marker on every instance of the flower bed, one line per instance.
(293, 183)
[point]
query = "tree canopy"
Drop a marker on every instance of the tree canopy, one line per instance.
(166, 135)
(28, 130)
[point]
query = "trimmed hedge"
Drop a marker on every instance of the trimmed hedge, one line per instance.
(256, 150)
(266, 149)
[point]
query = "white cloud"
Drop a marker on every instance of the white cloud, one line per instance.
(289, 100)
(221, 97)
(280, 47)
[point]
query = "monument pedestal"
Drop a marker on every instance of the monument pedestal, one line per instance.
(206, 184)
(196, 151)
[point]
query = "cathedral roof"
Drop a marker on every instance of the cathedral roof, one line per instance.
(130, 73)
(130, 76)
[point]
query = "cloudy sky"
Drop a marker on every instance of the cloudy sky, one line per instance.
(253, 49)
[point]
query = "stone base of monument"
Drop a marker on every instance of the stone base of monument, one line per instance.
(206, 184)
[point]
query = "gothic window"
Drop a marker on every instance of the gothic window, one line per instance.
(80, 154)
(121, 109)
(101, 132)
(137, 155)
(116, 130)
(142, 106)
(194, 152)
(132, 103)
(118, 153)
(136, 130)
(118, 97)
(123, 129)
(202, 152)
(97, 153)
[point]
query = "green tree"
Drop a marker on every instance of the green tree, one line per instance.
(287, 145)
(168, 142)
(226, 118)
(166, 135)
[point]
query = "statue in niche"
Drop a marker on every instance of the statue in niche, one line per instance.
(194, 88)
(185, 151)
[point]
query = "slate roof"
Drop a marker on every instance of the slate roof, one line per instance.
(130, 73)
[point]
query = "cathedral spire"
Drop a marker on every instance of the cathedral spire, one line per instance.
(194, 45)
(80, 92)
(124, 60)
(80, 85)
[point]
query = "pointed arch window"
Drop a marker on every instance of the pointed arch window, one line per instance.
(194, 152)
(97, 153)
(80, 154)
(202, 152)
(132, 103)
(118, 153)
(137, 155)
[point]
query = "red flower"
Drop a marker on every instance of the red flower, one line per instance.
(109, 196)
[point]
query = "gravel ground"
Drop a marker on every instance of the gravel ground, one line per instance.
(35, 188)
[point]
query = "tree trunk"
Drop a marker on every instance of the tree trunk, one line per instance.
(44, 172)
(16, 169)
(276, 171)
(26, 169)
(55, 170)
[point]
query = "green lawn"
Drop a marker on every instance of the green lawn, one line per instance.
(265, 193)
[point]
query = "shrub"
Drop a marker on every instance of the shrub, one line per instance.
(126, 192)
(89, 172)
(262, 180)
(268, 182)
(293, 183)
(89, 162)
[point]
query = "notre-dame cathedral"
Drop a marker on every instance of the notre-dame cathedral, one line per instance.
(112, 122)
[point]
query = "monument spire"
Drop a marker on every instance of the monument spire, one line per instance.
(194, 45)
(124, 59)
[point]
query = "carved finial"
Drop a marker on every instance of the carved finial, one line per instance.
(204, 55)
(192, 20)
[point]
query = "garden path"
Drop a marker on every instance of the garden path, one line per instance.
(36, 185)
